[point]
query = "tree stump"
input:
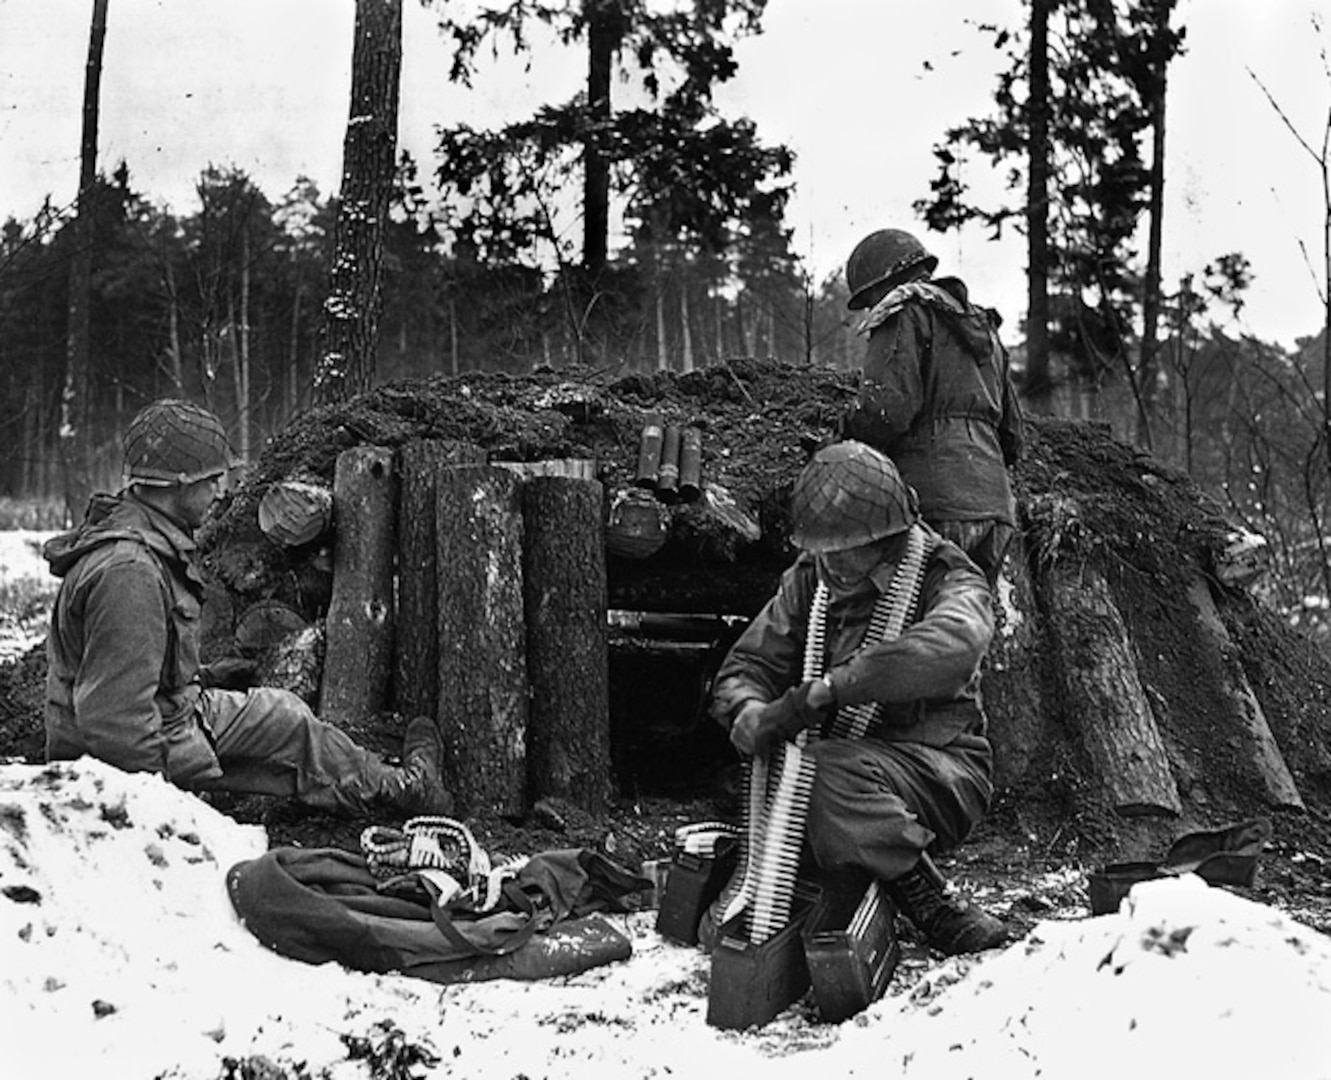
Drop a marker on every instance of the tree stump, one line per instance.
(359, 630)
(416, 643)
(483, 686)
(564, 583)
(1103, 695)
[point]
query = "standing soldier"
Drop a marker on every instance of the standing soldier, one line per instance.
(935, 393)
(125, 684)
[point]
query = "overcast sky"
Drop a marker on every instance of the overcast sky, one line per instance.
(263, 85)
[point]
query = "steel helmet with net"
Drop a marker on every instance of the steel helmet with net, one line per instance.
(175, 442)
(849, 495)
(880, 257)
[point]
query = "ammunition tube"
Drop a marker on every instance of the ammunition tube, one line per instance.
(649, 451)
(690, 464)
(667, 482)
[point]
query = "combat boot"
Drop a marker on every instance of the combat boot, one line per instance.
(949, 924)
(422, 788)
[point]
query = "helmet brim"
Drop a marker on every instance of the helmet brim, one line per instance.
(860, 298)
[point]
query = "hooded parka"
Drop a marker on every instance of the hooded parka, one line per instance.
(936, 397)
(123, 648)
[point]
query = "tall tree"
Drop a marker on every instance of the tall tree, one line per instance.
(233, 228)
(369, 159)
(1320, 155)
(681, 172)
(1143, 45)
(75, 436)
(1037, 216)
(1106, 65)
(605, 32)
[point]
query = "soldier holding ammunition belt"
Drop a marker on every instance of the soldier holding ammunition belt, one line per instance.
(920, 779)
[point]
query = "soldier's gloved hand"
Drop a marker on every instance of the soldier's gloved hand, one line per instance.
(758, 728)
(230, 673)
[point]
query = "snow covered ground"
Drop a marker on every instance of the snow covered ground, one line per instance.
(21, 556)
(120, 956)
(26, 589)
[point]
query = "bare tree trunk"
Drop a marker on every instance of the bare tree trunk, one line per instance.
(1158, 82)
(369, 154)
(293, 352)
(686, 335)
(31, 439)
(243, 353)
(1037, 389)
(662, 353)
(604, 29)
(453, 335)
(719, 309)
(75, 436)
(175, 369)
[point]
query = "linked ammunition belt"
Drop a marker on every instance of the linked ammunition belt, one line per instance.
(779, 787)
(425, 843)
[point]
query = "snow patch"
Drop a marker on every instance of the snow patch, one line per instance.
(120, 956)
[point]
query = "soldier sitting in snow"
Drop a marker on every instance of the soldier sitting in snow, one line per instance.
(125, 683)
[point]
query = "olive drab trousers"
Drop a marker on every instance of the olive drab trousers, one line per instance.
(269, 742)
(878, 805)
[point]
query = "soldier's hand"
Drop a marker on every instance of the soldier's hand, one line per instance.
(744, 732)
(230, 673)
(758, 728)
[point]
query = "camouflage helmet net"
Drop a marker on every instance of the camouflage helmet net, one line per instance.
(175, 442)
(849, 495)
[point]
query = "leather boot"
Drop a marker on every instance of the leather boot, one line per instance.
(421, 790)
(949, 924)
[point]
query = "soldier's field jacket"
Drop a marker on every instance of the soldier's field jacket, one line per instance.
(936, 397)
(123, 647)
(927, 679)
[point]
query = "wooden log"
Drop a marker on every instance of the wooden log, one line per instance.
(1102, 693)
(415, 684)
(359, 628)
(564, 584)
(714, 528)
(1281, 790)
(483, 686)
(1242, 560)
(264, 624)
(295, 512)
(573, 468)
(294, 663)
(1014, 676)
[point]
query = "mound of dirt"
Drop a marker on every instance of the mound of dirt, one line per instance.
(1089, 504)
(757, 423)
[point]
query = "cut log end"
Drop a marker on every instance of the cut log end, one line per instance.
(295, 512)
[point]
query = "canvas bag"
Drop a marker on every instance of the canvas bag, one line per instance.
(324, 904)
